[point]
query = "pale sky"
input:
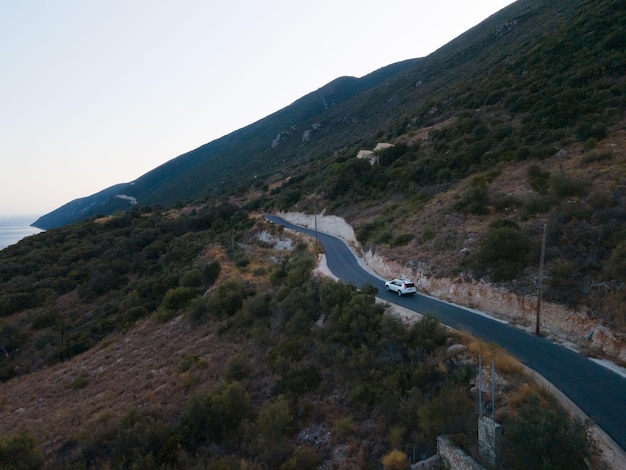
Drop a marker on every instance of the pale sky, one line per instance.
(99, 92)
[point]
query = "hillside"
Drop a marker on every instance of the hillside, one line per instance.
(186, 332)
(536, 89)
(201, 339)
(517, 61)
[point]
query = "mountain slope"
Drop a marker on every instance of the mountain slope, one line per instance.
(517, 125)
(349, 112)
(195, 173)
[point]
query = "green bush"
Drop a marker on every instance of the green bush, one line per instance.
(563, 282)
(238, 368)
(211, 272)
(257, 306)
(538, 179)
(503, 251)
(538, 205)
(299, 381)
(215, 415)
(616, 267)
(540, 436)
(402, 239)
(178, 298)
(190, 362)
(198, 309)
(303, 458)
(227, 299)
(447, 412)
(192, 278)
(563, 186)
(81, 381)
(138, 440)
(20, 452)
(475, 199)
(272, 426)
(507, 203)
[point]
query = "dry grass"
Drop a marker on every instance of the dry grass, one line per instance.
(524, 392)
(504, 363)
(138, 368)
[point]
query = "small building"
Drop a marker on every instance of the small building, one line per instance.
(365, 154)
(372, 155)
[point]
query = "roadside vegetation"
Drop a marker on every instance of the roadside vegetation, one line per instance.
(313, 370)
(177, 336)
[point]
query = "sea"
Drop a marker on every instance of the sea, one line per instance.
(13, 228)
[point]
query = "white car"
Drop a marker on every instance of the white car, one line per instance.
(401, 286)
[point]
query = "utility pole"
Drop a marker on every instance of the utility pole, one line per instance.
(315, 216)
(480, 386)
(543, 252)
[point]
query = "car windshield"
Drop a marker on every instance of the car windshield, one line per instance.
(408, 284)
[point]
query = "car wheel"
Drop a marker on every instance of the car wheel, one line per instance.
(387, 287)
(399, 293)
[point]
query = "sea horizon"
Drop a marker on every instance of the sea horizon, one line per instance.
(15, 227)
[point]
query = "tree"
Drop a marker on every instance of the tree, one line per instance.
(271, 426)
(544, 437)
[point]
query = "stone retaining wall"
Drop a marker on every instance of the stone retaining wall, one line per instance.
(454, 457)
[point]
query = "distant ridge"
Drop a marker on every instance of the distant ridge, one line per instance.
(103, 202)
(217, 163)
(511, 60)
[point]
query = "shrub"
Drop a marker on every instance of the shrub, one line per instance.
(503, 251)
(507, 203)
(139, 440)
(192, 278)
(211, 272)
(216, 414)
(538, 205)
(303, 458)
(446, 412)
(344, 427)
(540, 436)
(563, 283)
(593, 157)
(427, 334)
(257, 306)
(227, 299)
(395, 460)
(563, 186)
(402, 239)
(189, 362)
(272, 424)
(475, 199)
(81, 381)
(299, 381)
(538, 179)
(178, 297)
(238, 367)
(198, 309)
(616, 267)
(20, 452)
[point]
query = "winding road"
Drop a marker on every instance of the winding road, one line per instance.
(598, 391)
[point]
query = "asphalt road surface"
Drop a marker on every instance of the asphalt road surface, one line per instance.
(598, 391)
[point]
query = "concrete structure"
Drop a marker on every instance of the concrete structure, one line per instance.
(489, 440)
(454, 457)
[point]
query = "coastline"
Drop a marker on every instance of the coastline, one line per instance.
(15, 227)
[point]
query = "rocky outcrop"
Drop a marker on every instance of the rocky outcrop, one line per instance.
(574, 327)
